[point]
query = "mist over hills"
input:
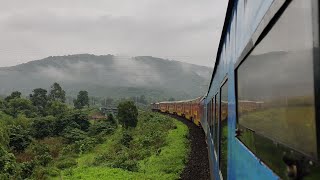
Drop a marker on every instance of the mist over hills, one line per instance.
(109, 76)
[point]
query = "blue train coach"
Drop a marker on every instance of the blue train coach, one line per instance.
(261, 112)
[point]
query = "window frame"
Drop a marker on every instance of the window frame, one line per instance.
(316, 64)
(212, 131)
(224, 82)
(316, 76)
(216, 124)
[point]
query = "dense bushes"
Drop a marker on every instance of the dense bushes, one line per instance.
(40, 135)
(127, 114)
(163, 160)
(38, 147)
(19, 138)
(65, 163)
(42, 127)
(48, 139)
(133, 145)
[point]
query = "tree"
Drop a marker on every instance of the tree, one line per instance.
(39, 99)
(72, 119)
(80, 119)
(43, 127)
(2, 104)
(82, 100)
(15, 94)
(57, 108)
(57, 93)
(111, 119)
(4, 135)
(142, 99)
(171, 99)
(8, 165)
(77, 104)
(41, 152)
(19, 138)
(20, 105)
(74, 134)
(127, 114)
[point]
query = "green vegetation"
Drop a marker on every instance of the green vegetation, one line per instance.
(157, 149)
(127, 114)
(82, 100)
(41, 135)
(57, 93)
(43, 138)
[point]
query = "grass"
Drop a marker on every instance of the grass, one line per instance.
(89, 158)
(172, 158)
(155, 161)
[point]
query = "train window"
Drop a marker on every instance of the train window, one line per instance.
(224, 130)
(212, 117)
(275, 92)
(216, 122)
(209, 117)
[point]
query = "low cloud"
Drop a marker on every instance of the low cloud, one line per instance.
(185, 30)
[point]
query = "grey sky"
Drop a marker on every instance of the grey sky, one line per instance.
(184, 30)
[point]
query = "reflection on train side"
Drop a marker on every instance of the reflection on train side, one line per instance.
(289, 121)
(275, 96)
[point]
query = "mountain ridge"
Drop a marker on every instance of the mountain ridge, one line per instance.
(104, 74)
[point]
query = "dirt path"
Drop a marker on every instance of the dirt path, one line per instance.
(198, 164)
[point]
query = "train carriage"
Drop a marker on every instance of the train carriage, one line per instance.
(179, 108)
(261, 107)
(186, 110)
(163, 107)
(261, 112)
(171, 107)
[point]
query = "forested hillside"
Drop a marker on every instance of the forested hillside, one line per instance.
(109, 76)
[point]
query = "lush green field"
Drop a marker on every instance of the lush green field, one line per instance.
(158, 150)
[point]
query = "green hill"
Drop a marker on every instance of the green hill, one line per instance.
(109, 75)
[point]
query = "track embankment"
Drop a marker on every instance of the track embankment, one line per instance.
(197, 166)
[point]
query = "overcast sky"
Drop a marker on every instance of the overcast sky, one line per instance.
(184, 30)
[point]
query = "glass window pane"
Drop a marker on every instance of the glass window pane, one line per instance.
(209, 118)
(216, 123)
(224, 130)
(275, 83)
(212, 118)
(276, 90)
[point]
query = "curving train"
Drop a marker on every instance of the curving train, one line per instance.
(189, 109)
(261, 114)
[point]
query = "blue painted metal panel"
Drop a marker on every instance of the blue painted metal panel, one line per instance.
(247, 166)
(242, 164)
